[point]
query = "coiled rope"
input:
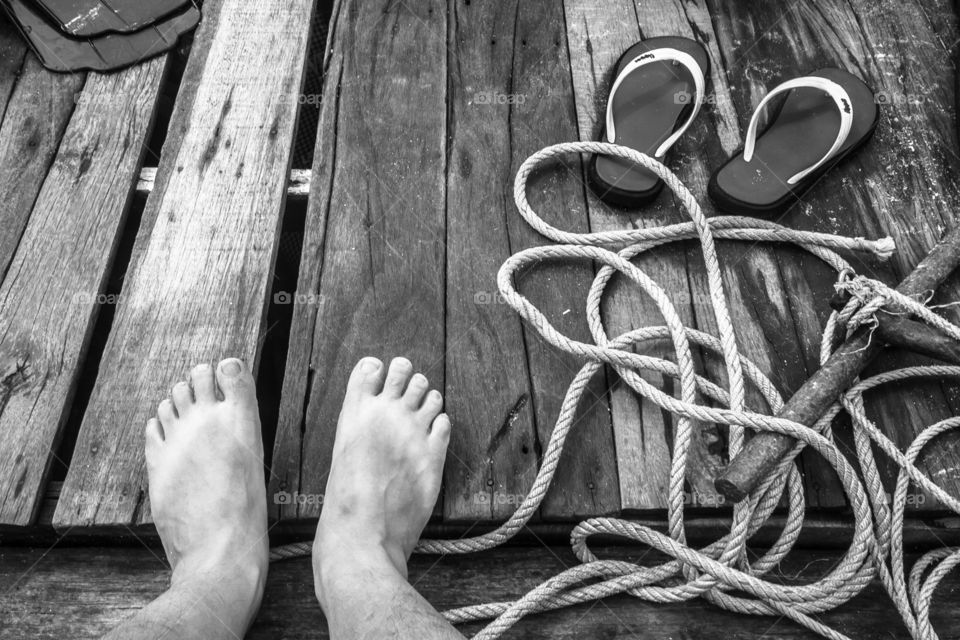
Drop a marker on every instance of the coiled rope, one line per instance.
(721, 567)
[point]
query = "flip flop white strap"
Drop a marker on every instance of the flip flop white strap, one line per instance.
(840, 98)
(661, 55)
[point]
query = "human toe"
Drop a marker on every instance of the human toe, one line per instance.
(432, 405)
(182, 397)
(416, 390)
(397, 377)
(203, 383)
(235, 381)
(366, 378)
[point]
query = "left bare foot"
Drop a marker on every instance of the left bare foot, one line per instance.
(205, 471)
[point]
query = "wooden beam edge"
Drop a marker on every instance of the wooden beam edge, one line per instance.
(298, 185)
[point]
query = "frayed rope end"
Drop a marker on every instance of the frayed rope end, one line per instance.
(884, 248)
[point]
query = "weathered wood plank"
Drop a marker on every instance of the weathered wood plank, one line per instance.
(13, 50)
(902, 183)
(288, 441)
(509, 96)
(493, 449)
(644, 434)
(49, 296)
(373, 282)
(34, 119)
(83, 592)
(201, 267)
(587, 484)
(596, 37)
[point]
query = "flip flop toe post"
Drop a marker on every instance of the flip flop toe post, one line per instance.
(657, 90)
(822, 119)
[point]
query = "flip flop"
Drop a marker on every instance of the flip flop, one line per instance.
(824, 118)
(62, 53)
(657, 91)
(87, 18)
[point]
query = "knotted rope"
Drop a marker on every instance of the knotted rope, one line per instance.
(721, 567)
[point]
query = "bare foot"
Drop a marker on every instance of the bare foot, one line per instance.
(205, 472)
(386, 468)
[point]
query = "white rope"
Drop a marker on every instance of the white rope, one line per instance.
(715, 570)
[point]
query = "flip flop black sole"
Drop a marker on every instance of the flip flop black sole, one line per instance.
(649, 114)
(798, 132)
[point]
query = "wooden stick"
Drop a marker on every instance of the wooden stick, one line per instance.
(765, 450)
(898, 331)
(918, 337)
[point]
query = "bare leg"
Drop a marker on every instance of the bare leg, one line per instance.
(384, 479)
(205, 470)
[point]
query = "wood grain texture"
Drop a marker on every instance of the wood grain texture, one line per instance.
(902, 184)
(587, 483)
(493, 447)
(288, 442)
(13, 50)
(372, 283)
(510, 96)
(48, 299)
(83, 592)
(33, 121)
(643, 433)
(202, 262)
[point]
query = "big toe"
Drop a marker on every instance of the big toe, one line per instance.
(366, 378)
(236, 381)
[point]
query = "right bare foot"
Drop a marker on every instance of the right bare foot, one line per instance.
(387, 462)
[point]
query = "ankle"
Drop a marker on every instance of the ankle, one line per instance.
(232, 574)
(341, 561)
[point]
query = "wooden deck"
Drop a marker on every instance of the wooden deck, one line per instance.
(122, 264)
(81, 593)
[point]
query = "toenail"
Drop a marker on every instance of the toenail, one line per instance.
(369, 365)
(230, 367)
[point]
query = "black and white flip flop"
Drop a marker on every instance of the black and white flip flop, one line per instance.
(657, 91)
(823, 118)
